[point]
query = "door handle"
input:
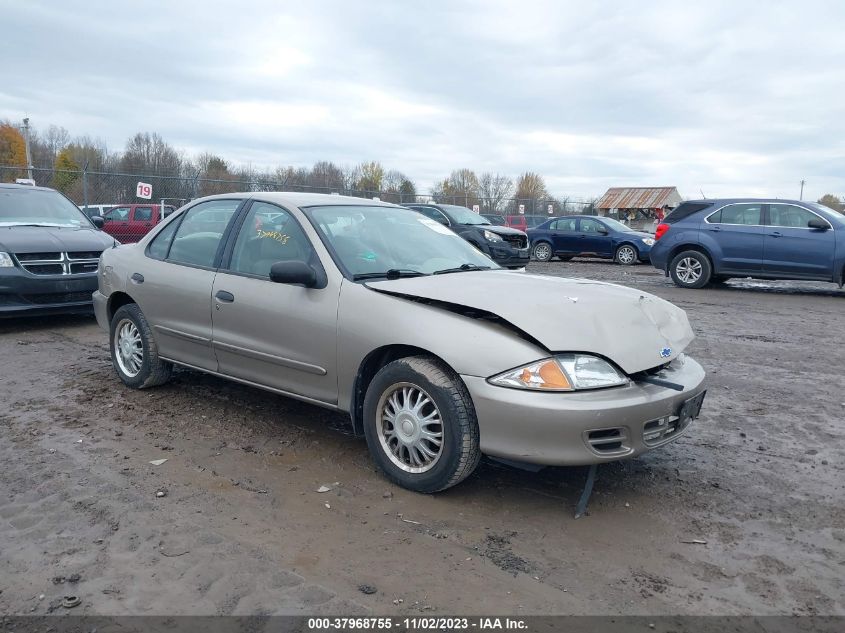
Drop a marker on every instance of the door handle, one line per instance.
(137, 278)
(776, 234)
(716, 229)
(226, 297)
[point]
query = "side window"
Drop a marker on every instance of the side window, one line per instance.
(143, 214)
(433, 213)
(566, 224)
(199, 234)
(269, 234)
(161, 243)
(118, 214)
(590, 226)
(749, 214)
(788, 215)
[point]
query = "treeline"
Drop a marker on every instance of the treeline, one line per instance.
(179, 176)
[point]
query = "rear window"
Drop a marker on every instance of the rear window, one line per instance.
(684, 210)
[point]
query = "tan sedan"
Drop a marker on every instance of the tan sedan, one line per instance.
(436, 354)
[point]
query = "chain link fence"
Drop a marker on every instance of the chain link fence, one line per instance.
(105, 189)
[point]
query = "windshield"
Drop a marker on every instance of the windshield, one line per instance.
(369, 239)
(462, 215)
(39, 207)
(616, 225)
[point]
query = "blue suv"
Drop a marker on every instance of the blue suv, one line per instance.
(707, 241)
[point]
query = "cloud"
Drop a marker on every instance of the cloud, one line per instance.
(732, 98)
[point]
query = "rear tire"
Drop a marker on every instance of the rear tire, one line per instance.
(626, 255)
(542, 251)
(401, 407)
(134, 352)
(691, 269)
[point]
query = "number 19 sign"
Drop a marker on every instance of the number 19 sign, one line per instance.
(144, 190)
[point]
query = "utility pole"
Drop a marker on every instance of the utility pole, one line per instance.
(26, 143)
(801, 195)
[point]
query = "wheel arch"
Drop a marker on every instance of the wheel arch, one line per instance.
(116, 301)
(690, 247)
(370, 366)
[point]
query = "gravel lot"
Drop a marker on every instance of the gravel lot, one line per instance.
(241, 528)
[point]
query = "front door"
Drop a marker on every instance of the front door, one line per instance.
(591, 238)
(738, 234)
(174, 287)
(792, 248)
(140, 222)
(277, 335)
(116, 224)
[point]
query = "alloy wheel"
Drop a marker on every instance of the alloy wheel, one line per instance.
(128, 348)
(688, 270)
(410, 428)
(626, 255)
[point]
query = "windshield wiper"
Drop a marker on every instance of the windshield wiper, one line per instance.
(460, 269)
(393, 273)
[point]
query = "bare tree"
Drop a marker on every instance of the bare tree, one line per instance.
(493, 189)
(148, 153)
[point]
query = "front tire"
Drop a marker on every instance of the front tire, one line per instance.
(134, 352)
(420, 425)
(626, 255)
(691, 269)
(543, 251)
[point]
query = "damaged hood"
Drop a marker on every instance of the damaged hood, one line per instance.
(634, 329)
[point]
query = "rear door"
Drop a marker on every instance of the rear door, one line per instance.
(564, 235)
(278, 335)
(737, 232)
(174, 286)
(591, 239)
(792, 248)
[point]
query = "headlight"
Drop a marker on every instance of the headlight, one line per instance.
(492, 237)
(564, 372)
(648, 241)
(6, 260)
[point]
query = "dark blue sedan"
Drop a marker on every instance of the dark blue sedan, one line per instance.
(589, 235)
(706, 241)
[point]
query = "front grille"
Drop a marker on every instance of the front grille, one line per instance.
(662, 430)
(58, 297)
(71, 263)
(608, 441)
(31, 257)
(87, 267)
(517, 241)
(83, 255)
(44, 269)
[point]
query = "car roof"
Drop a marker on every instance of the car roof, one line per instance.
(300, 199)
(735, 200)
(11, 185)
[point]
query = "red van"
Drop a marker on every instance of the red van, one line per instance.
(128, 223)
(525, 222)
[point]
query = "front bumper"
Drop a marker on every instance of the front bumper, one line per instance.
(101, 310)
(24, 294)
(508, 256)
(587, 427)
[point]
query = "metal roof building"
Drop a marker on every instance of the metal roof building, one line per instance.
(640, 198)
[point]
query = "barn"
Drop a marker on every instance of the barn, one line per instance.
(638, 204)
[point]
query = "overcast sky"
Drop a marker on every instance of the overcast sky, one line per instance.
(728, 98)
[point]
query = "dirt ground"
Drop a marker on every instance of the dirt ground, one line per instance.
(242, 530)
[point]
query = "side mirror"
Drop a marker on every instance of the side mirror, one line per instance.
(293, 272)
(818, 223)
(98, 221)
